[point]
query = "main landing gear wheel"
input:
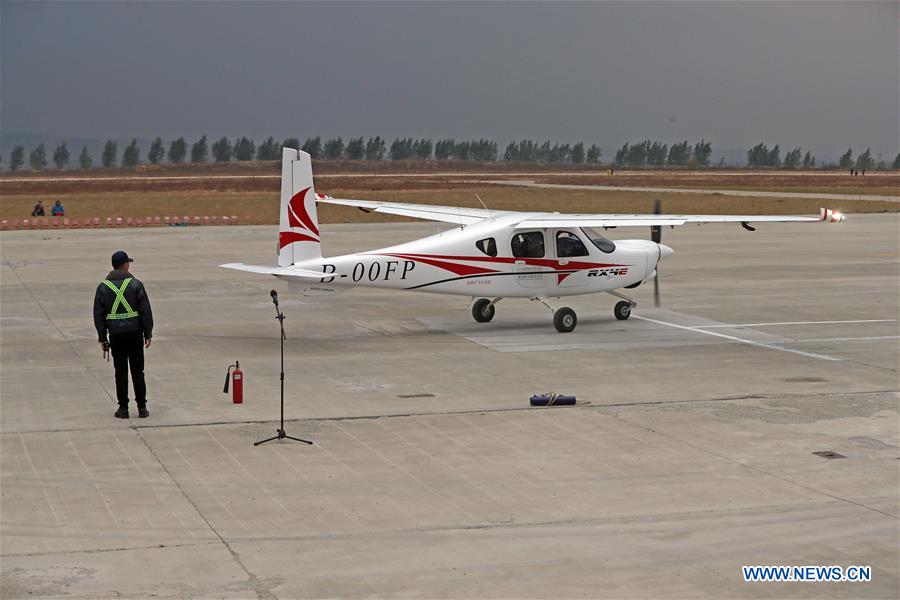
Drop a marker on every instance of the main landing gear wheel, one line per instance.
(565, 319)
(623, 310)
(483, 311)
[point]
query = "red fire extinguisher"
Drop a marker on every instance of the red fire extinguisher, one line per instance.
(236, 377)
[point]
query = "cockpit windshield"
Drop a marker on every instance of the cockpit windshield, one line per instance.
(598, 240)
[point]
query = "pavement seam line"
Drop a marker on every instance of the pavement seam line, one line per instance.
(734, 338)
(105, 550)
(586, 404)
(65, 338)
(262, 593)
(648, 518)
(778, 323)
(757, 469)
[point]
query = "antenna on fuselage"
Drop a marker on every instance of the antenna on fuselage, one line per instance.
(483, 204)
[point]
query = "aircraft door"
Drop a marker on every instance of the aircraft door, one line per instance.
(570, 250)
(527, 245)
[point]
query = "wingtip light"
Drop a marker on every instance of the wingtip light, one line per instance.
(831, 215)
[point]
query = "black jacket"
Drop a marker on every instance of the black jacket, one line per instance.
(135, 295)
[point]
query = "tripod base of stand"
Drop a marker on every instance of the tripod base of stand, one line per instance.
(281, 435)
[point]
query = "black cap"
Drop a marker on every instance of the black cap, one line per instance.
(120, 257)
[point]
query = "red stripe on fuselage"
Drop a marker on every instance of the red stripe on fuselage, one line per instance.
(571, 265)
(442, 261)
(447, 266)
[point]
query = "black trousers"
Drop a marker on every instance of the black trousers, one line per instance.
(128, 350)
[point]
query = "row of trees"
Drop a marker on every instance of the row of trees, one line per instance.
(244, 149)
(645, 153)
(657, 154)
(531, 151)
(761, 155)
(38, 156)
(863, 162)
(177, 153)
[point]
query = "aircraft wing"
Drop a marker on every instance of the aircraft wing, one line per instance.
(277, 271)
(446, 214)
(621, 220)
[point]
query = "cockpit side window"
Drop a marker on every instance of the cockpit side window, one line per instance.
(488, 246)
(528, 244)
(568, 245)
(598, 240)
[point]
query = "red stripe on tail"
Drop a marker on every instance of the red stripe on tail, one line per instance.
(289, 237)
(298, 216)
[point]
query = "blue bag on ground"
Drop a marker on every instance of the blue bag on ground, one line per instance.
(552, 400)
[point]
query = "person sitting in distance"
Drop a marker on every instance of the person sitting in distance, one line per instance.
(38, 210)
(58, 210)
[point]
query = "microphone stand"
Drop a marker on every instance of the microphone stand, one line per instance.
(280, 434)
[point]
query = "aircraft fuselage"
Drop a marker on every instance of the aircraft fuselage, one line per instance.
(491, 259)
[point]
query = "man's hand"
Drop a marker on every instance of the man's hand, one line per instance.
(147, 342)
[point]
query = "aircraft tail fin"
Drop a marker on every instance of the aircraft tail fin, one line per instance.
(298, 231)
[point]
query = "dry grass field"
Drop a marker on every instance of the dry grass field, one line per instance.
(250, 190)
(886, 184)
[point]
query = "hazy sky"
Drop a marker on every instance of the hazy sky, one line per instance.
(824, 75)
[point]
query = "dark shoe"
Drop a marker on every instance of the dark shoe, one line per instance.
(142, 412)
(122, 413)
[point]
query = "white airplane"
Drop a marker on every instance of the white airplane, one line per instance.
(491, 255)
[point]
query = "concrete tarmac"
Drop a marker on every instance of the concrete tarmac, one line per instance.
(690, 454)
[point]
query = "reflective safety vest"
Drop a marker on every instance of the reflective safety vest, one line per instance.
(120, 300)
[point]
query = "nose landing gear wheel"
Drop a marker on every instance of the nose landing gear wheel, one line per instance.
(565, 319)
(483, 311)
(622, 310)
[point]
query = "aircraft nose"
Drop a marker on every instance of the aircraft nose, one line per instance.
(665, 251)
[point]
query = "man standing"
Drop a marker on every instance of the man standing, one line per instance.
(122, 309)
